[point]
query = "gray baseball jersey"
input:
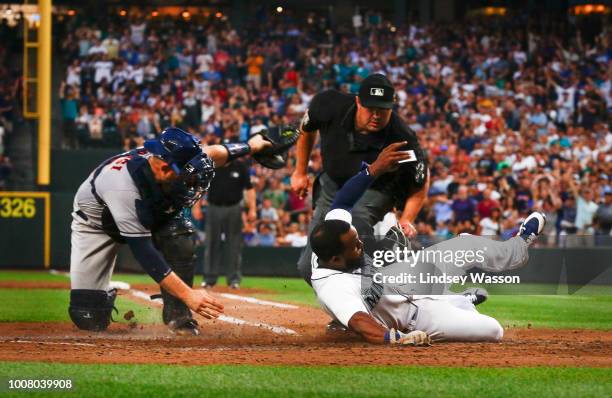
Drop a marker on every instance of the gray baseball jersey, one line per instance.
(117, 189)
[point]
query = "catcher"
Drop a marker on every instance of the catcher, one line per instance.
(346, 285)
(137, 198)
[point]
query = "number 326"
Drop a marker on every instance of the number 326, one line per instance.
(17, 208)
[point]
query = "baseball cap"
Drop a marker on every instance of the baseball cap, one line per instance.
(376, 91)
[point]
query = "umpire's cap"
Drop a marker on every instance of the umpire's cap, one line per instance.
(376, 91)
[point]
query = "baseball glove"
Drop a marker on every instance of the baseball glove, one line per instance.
(282, 139)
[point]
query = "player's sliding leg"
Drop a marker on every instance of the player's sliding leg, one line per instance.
(493, 256)
(175, 240)
(445, 319)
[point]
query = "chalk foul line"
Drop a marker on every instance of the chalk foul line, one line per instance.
(225, 318)
(254, 300)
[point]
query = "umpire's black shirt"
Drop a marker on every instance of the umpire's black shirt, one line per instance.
(343, 149)
(226, 189)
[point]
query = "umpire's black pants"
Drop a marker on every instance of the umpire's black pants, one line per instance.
(223, 243)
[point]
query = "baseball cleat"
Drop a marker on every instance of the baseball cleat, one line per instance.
(335, 326)
(184, 327)
(205, 285)
(234, 285)
(532, 226)
(477, 295)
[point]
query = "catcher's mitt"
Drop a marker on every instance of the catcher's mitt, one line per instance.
(282, 138)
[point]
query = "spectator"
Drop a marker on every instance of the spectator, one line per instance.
(490, 225)
(603, 219)
(265, 235)
(268, 213)
(494, 109)
(294, 237)
(68, 96)
(463, 207)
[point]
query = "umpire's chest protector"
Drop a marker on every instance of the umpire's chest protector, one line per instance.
(154, 208)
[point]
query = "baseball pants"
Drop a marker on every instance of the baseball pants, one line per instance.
(92, 258)
(453, 317)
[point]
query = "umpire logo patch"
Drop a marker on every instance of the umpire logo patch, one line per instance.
(305, 119)
(419, 176)
(378, 92)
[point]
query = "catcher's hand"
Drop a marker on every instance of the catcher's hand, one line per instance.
(415, 338)
(282, 139)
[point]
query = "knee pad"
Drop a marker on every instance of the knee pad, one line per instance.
(92, 309)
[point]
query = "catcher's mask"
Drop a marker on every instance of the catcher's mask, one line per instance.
(194, 169)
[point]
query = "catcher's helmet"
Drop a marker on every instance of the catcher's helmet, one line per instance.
(193, 167)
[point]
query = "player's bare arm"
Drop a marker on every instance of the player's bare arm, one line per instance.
(373, 332)
(299, 179)
(221, 154)
(412, 207)
(198, 301)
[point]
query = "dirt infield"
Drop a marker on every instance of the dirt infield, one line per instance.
(260, 333)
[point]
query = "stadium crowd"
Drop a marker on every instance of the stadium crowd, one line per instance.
(512, 119)
(10, 84)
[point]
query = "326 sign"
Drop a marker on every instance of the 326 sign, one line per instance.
(17, 207)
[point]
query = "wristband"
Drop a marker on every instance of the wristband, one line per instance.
(236, 150)
(392, 336)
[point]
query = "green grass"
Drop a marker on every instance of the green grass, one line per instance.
(51, 305)
(573, 312)
(265, 381)
(553, 311)
(42, 276)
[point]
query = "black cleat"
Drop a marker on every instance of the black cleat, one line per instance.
(335, 326)
(477, 295)
(184, 327)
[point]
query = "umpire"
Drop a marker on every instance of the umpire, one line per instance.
(223, 243)
(356, 129)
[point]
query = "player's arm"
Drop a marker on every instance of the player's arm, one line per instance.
(373, 332)
(299, 178)
(198, 301)
(251, 201)
(412, 207)
(368, 328)
(154, 264)
(222, 154)
(319, 112)
(356, 186)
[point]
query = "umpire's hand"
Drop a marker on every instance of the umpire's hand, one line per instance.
(300, 184)
(388, 160)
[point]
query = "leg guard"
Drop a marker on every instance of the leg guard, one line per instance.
(176, 242)
(92, 309)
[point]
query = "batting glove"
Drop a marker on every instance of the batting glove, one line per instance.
(414, 338)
